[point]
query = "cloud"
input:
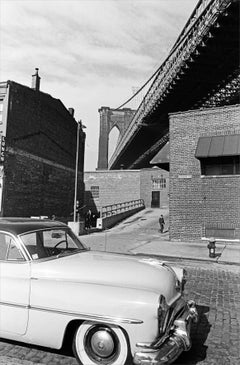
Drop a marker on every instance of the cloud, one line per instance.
(90, 52)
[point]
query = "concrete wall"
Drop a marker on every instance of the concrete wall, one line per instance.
(39, 166)
(201, 203)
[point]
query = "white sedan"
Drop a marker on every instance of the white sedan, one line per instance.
(114, 308)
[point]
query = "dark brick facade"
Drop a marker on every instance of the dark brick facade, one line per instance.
(202, 206)
(39, 164)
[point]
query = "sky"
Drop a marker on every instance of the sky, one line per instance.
(90, 53)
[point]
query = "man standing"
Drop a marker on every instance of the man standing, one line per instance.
(161, 223)
(88, 218)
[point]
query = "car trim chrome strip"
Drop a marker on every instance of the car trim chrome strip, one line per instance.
(87, 316)
(95, 317)
(9, 304)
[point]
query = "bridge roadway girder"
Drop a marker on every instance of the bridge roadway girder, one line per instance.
(208, 78)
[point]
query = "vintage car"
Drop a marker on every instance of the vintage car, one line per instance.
(114, 308)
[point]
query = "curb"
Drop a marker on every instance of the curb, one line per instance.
(188, 258)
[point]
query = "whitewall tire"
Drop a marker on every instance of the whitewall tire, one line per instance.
(96, 343)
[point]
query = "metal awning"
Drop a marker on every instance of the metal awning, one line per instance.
(217, 146)
(162, 156)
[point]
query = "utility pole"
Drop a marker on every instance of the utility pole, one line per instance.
(76, 173)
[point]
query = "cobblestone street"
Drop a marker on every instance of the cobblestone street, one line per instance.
(216, 337)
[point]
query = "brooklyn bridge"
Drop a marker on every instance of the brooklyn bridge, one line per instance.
(201, 71)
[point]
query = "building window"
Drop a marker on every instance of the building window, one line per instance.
(158, 183)
(95, 192)
(224, 165)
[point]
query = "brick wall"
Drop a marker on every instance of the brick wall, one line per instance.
(116, 186)
(197, 202)
(34, 186)
(39, 123)
(39, 165)
(146, 186)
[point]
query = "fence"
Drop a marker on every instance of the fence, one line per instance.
(112, 214)
(114, 209)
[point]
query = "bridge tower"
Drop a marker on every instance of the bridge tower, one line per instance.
(110, 118)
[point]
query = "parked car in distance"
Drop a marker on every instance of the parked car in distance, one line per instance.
(114, 308)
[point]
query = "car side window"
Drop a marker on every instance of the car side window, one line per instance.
(8, 249)
(3, 247)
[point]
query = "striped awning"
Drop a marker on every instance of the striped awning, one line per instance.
(217, 146)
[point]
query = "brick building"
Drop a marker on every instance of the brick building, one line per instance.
(107, 187)
(205, 174)
(38, 152)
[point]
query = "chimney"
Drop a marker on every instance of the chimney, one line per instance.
(71, 111)
(36, 81)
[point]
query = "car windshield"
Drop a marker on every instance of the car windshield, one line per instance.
(51, 243)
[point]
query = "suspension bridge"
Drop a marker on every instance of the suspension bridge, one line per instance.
(201, 71)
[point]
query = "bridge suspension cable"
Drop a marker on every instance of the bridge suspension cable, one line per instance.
(200, 8)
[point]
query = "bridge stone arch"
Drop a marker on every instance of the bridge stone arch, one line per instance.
(110, 118)
(113, 139)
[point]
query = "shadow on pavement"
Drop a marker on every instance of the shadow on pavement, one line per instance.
(199, 334)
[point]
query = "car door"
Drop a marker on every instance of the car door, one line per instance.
(14, 286)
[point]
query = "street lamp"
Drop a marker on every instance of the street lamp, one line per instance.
(76, 173)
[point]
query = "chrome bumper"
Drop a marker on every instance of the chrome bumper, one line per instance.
(178, 340)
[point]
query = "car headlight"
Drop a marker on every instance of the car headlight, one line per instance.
(162, 314)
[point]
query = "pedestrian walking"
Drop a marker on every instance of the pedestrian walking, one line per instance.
(88, 218)
(161, 223)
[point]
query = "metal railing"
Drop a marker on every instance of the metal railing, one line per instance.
(114, 209)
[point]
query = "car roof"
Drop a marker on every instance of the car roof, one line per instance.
(23, 225)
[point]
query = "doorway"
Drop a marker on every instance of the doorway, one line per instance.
(155, 203)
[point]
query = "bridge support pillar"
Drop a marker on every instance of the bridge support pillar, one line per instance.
(110, 118)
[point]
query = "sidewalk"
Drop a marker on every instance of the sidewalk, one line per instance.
(225, 253)
(140, 234)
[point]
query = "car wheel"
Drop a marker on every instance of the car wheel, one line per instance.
(96, 343)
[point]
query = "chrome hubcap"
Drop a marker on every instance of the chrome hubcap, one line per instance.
(102, 343)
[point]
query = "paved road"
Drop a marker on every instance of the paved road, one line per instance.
(140, 234)
(215, 287)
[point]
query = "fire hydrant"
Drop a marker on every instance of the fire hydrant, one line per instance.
(212, 247)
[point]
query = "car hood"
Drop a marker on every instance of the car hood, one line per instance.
(109, 269)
